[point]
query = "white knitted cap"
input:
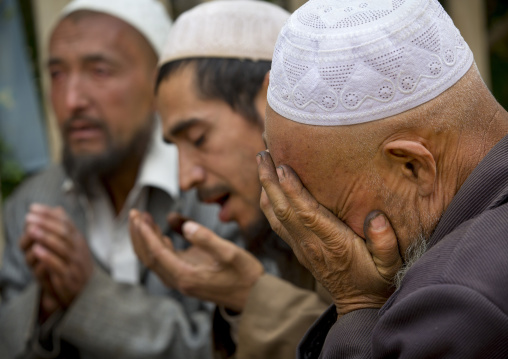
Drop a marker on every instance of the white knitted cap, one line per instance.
(149, 17)
(243, 29)
(342, 62)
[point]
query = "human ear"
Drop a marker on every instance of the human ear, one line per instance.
(260, 100)
(266, 81)
(414, 161)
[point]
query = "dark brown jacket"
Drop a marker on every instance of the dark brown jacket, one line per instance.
(453, 303)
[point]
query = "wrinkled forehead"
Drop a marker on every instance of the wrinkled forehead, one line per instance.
(290, 142)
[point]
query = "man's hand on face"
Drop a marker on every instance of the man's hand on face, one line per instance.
(58, 256)
(358, 273)
(212, 269)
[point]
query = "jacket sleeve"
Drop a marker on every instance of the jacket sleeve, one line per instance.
(275, 318)
(107, 320)
(114, 320)
(442, 321)
(348, 337)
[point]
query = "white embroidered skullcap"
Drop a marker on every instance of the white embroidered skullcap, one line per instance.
(149, 17)
(242, 29)
(344, 62)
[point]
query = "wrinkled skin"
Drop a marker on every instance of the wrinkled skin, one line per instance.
(356, 272)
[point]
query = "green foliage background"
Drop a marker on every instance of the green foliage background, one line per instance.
(11, 173)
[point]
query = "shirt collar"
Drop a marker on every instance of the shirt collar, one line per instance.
(160, 166)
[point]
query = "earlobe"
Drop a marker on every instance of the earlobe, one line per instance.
(415, 162)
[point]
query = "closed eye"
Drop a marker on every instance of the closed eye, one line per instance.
(200, 141)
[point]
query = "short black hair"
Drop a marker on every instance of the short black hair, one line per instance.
(234, 81)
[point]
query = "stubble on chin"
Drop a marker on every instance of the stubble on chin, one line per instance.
(425, 224)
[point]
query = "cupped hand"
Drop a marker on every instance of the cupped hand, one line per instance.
(357, 272)
(212, 268)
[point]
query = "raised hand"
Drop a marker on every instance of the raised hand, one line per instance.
(357, 272)
(212, 269)
(58, 256)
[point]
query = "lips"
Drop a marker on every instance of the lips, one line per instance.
(82, 130)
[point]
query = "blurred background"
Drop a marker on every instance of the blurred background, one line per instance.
(29, 140)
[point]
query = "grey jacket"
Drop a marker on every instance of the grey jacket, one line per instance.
(453, 302)
(108, 319)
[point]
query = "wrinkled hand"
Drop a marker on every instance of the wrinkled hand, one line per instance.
(358, 273)
(58, 256)
(212, 269)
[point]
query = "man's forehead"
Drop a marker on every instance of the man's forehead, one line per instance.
(88, 31)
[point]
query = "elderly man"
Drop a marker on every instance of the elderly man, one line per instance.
(378, 105)
(211, 97)
(76, 288)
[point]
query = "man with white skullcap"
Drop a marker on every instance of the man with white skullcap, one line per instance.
(211, 96)
(71, 284)
(377, 118)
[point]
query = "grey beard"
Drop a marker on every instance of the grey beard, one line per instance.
(86, 171)
(414, 252)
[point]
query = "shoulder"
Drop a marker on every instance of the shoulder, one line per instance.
(42, 187)
(453, 300)
(474, 256)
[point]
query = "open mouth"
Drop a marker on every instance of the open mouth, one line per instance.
(221, 196)
(221, 200)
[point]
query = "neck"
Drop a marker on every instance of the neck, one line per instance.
(462, 151)
(119, 185)
(476, 148)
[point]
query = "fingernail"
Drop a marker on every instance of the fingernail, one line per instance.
(281, 173)
(39, 250)
(258, 158)
(35, 207)
(35, 231)
(189, 228)
(378, 223)
(32, 218)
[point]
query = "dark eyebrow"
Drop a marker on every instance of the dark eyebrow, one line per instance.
(183, 126)
(87, 59)
(54, 61)
(180, 127)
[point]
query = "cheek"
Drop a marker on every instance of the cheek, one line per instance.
(58, 101)
(127, 109)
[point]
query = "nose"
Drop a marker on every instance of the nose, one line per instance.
(76, 98)
(191, 174)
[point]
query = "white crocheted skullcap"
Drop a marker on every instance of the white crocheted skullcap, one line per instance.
(343, 62)
(242, 29)
(149, 17)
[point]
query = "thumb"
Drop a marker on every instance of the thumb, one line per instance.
(382, 244)
(220, 249)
